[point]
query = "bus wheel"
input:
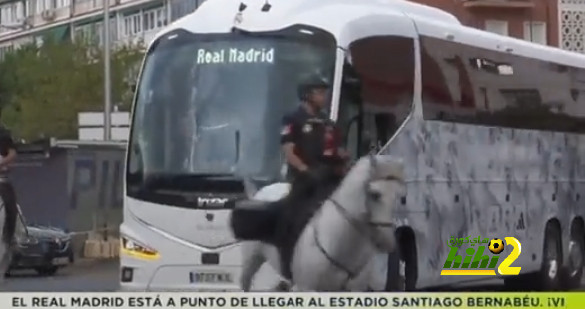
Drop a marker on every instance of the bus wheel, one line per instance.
(402, 268)
(409, 268)
(549, 275)
(574, 271)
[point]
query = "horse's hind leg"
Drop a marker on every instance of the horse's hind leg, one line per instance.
(251, 264)
(296, 288)
(282, 286)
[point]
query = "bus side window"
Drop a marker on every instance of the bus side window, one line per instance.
(364, 131)
(349, 117)
(385, 67)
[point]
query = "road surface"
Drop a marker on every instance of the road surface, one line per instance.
(103, 277)
(96, 276)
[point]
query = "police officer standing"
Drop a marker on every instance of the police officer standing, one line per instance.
(316, 163)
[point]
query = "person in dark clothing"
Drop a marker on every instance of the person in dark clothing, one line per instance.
(316, 164)
(8, 154)
(310, 140)
(7, 193)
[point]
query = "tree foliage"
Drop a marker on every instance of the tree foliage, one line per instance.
(42, 89)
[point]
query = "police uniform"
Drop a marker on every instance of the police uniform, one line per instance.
(315, 139)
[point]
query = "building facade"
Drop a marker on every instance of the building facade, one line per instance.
(23, 21)
(572, 25)
(532, 20)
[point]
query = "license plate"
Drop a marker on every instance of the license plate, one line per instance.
(61, 261)
(210, 277)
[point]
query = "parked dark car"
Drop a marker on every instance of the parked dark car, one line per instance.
(44, 249)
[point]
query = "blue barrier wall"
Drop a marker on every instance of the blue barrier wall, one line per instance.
(77, 189)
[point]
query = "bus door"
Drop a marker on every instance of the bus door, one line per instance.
(376, 92)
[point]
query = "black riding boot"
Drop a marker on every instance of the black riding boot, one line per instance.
(287, 230)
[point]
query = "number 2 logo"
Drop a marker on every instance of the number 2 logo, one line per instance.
(504, 268)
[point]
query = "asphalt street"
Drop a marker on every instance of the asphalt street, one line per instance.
(102, 276)
(94, 276)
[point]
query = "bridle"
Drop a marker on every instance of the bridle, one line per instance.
(365, 226)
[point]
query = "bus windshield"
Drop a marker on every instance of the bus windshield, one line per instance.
(210, 105)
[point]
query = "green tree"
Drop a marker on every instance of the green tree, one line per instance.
(42, 89)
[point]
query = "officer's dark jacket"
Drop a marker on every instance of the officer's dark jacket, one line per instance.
(6, 142)
(316, 138)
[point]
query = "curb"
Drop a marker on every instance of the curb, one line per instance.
(85, 262)
(100, 249)
(91, 246)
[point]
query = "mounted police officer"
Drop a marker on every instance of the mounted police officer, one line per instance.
(310, 140)
(316, 162)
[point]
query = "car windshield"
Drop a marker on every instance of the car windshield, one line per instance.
(210, 105)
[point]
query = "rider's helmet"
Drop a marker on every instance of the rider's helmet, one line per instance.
(314, 81)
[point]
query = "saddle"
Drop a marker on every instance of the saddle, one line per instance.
(270, 222)
(256, 220)
(281, 223)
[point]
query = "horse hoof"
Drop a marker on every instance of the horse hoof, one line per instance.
(282, 287)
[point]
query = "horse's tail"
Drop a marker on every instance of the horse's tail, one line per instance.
(10, 211)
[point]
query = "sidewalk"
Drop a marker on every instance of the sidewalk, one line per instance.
(88, 262)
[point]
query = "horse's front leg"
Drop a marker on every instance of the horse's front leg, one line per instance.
(296, 288)
(370, 278)
(282, 286)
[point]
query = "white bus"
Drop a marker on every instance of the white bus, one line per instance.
(490, 129)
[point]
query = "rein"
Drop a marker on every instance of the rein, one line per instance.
(364, 228)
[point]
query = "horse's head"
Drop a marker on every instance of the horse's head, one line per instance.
(369, 193)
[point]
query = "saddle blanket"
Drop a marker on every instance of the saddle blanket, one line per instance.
(279, 223)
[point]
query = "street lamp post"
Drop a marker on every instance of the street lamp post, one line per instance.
(107, 80)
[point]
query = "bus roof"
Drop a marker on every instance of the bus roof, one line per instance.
(484, 39)
(219, 15)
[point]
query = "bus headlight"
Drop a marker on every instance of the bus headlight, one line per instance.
(133, 248)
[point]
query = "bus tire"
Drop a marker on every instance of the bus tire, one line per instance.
(552, 259)
(409, 263)
(402, 268)
(576, 252)
(394, 281)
